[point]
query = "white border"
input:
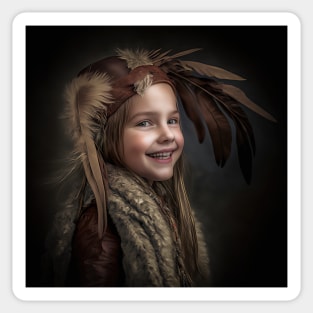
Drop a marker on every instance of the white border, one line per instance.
(156, 294)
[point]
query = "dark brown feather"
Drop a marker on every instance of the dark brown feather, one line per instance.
(188, 100)
(218, 126)
(245, 142)
(217, 122)
(244, 133)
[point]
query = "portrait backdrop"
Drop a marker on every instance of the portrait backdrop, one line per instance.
(245, 225)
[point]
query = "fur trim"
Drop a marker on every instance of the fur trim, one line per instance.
(87, 98)
(146, 239)
(149, 255)
(203, 279)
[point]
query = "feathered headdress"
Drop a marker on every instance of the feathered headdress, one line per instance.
(102, 87)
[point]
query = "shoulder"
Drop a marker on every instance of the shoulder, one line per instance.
(88, 224)
(96, 261)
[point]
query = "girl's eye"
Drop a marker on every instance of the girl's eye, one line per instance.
(144, 124)
(173, 121)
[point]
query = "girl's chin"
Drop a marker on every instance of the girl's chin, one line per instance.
(160, 178)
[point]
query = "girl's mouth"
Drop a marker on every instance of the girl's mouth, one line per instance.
(161, 155)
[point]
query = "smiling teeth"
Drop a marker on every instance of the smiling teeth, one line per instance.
(162, 155)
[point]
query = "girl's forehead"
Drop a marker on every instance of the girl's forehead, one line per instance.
(155, 93)
(155, 100)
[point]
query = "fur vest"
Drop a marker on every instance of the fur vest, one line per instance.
(146, 238)
(149, 250)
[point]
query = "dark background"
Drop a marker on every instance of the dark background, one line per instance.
(245, 225)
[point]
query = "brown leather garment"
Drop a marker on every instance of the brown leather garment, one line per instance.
(123, 88)
(95, 262)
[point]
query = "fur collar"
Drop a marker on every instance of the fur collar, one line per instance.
(149, 250)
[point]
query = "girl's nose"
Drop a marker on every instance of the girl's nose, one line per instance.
(166, 134)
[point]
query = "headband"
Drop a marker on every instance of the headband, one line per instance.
(127, 86)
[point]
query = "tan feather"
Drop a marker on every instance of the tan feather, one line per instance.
(87, 98)
(141, 86)
(134, 58)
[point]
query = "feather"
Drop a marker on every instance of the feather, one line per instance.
(245, 142)
(207, 91)
(135, 58)
(158, 57)
(241, 97)
(85, 97)
(141, 86)
(218, 126)
(183, 53)
(209, 70)
(188, 99)
(164, 58)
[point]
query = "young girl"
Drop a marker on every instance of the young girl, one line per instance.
(130, 223)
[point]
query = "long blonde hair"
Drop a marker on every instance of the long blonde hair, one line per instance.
(174, 188)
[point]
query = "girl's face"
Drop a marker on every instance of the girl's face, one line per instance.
(153, 141)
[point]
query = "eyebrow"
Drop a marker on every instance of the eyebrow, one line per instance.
(150, 113)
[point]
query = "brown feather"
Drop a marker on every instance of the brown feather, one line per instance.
(218, 126)
(232, 109)
(245, 143)
(158, 57)
(188, 100)
(244, 133)
(241, 97)
(209, 70)
(164, 58)
(185, 52)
